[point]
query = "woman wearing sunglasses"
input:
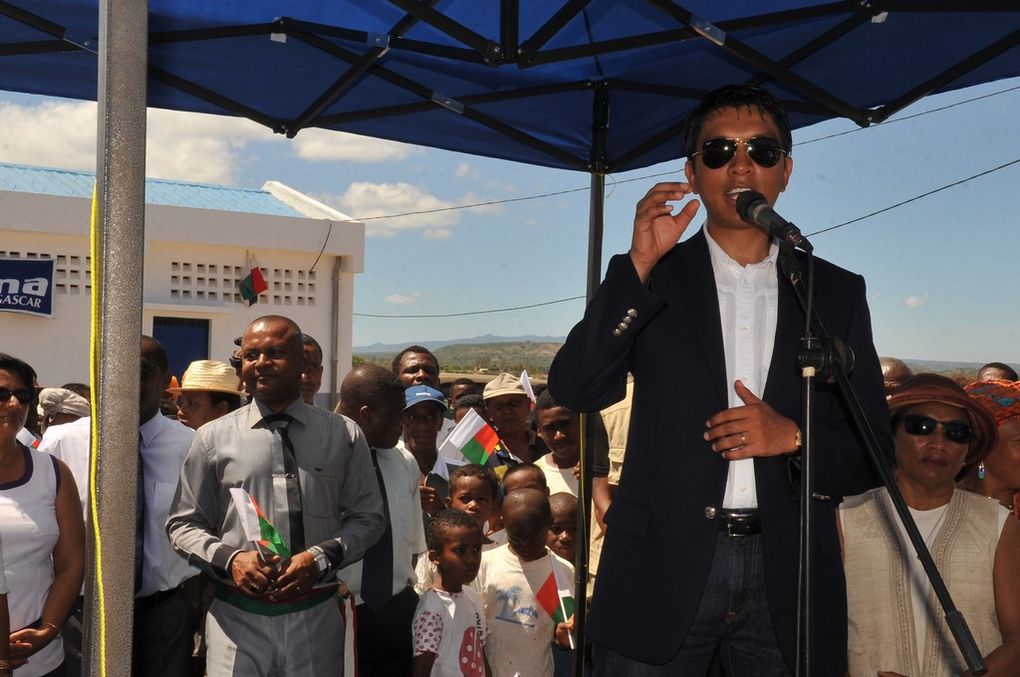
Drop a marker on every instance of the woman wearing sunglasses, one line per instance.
(998, 475)
(42, 533)
(896, 626)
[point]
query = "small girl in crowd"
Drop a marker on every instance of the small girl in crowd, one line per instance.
(449, 629)
(473, 489)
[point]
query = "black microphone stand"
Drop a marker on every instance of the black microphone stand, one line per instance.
(823, 357)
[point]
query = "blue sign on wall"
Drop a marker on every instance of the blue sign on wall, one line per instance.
(26, 286)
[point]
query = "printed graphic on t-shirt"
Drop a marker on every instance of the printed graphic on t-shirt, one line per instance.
(511, 611)
(471, 659)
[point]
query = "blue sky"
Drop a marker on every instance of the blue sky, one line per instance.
(940, 270)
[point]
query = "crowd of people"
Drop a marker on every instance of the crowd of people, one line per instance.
(443, 561)
(276, 537)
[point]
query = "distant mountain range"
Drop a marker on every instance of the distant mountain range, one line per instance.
(393, 348)
(492, 354)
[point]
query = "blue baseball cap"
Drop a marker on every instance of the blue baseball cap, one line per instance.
(420, 393)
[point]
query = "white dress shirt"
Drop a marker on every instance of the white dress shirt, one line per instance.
(748, 307)
(163, 446)
(70, 443)
(400, 475)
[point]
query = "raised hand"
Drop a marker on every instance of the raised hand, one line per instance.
(656, 229)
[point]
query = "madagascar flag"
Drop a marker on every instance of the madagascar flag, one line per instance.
(473, 437)
(256, 527)
(254, 284)
(555, 595)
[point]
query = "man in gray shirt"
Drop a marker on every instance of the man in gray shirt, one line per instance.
(310, 472)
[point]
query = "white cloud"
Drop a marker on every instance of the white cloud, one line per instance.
(402, 299)
(364, 200)
(199, 147)
(50, 135)
(915, 301)
(187, 146)
(466, 171)
(323, 145)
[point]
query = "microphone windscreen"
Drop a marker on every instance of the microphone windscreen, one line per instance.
(746, 202)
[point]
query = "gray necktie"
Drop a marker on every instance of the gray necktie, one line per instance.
(278, 423)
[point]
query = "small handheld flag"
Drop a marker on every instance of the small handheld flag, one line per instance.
(473, 438)
(556, 596)
(256, 527)
(526, 384)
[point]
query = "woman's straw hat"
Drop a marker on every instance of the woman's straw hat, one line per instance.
(210, 376)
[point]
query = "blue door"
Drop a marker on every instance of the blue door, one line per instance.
(185, 339)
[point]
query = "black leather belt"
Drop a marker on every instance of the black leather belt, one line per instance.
(155, 599)
(739, 522)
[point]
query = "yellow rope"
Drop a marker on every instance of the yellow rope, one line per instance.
(95, 244)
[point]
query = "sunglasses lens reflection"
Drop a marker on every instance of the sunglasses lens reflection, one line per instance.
(763, 151)
(955, 431)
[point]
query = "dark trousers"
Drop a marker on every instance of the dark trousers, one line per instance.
(733, 618)
(164, 637)
(384, 636)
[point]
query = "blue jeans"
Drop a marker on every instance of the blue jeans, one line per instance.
(733, 615)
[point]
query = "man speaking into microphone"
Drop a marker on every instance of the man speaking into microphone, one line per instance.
(701, 547)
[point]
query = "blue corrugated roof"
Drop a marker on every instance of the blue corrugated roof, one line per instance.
(75, 183)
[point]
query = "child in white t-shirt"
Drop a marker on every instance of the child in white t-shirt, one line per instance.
(512, 578)
(449, 630)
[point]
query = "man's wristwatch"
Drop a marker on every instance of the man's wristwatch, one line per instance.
(321, 560)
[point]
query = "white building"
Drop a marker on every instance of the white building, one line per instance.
(197, 240)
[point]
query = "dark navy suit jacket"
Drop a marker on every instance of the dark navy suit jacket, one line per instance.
(659, 542)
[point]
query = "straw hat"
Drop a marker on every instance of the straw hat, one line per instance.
(937, 388)
(209, 376)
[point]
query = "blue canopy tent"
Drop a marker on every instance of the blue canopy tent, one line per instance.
(598, 86)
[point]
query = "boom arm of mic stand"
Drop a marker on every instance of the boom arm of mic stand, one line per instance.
(954, 618)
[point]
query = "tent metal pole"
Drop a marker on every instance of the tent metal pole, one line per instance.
(119, 252)
(596, 228)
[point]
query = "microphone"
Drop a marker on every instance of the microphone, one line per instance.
(754, 208)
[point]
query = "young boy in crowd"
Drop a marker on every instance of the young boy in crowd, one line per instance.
(524, 476)
(563, 532)
(449, 629)
(521, 630)
(560, 429)
(474, 490)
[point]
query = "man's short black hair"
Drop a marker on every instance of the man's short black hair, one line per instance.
(371, 385)
(1001, 366)
(395, 365)
(474, 470)
(739, 97)
(545, 401)
(155, 352)
(442, 522)
(469, 402)
(309, 340)
(24, 372)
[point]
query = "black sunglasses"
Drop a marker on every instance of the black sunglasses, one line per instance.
(763, 150)
(955, 431)
(24, 395)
